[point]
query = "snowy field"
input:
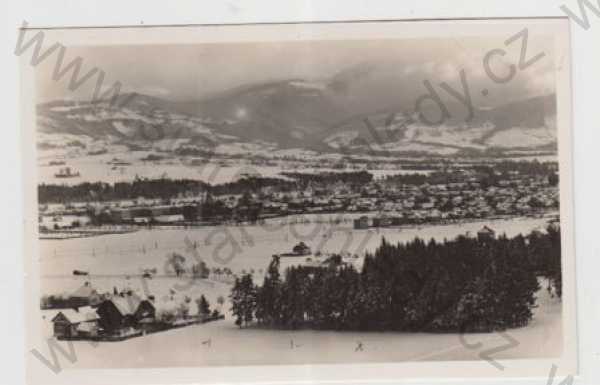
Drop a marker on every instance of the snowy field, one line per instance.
(97, 169)
(230, 345)
(243, 247)
(117, 260)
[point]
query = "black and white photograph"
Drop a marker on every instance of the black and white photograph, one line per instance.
(302, 194)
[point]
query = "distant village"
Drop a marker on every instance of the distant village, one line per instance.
(467, 193)
(461, 193)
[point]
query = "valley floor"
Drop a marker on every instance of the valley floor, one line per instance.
(116, 261)
(230, 345)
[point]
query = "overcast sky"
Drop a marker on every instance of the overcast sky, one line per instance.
(378, 72)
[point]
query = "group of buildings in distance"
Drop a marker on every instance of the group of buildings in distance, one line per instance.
(390, 202)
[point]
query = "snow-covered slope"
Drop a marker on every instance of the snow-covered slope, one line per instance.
(529, 125)
(293, 114)
(139, 124)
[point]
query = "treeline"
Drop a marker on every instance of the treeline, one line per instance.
(149, 188)
(100, 191)
(252, 184)
(486, 174)
(436, 177)
(351, 177)
(544, 255)
(164, 188)
(492, 173)
(463, 285)
(534, 167)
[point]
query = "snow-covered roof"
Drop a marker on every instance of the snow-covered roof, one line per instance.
(486, 230)
(127, 304)
(83, 314)
(84, 291)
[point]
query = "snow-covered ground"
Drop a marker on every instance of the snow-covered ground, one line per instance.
(523, 137)
(97, 168)
(242, 247)
(445, 139)
(117, 260)
(230, 345)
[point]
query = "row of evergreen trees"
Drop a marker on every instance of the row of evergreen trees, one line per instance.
(464, 285)
(161, 188)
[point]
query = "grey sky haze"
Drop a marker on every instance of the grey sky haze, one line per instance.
(375, 71)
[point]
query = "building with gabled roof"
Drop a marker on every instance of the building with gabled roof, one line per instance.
(72, 323)
(123, 311)
(86, 294)
(486, 233)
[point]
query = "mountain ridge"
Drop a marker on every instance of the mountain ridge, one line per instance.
(296, 113)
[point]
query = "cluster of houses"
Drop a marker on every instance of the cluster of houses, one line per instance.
(457, 200)
(138, 211)
(124, 315)
(401, 203)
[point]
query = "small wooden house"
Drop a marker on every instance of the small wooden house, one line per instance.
(145, 311)
(124, 311)
(486, 233)
(73, 323)
(362, 222)
(86, 294)
(301, 249)
(117, 313)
